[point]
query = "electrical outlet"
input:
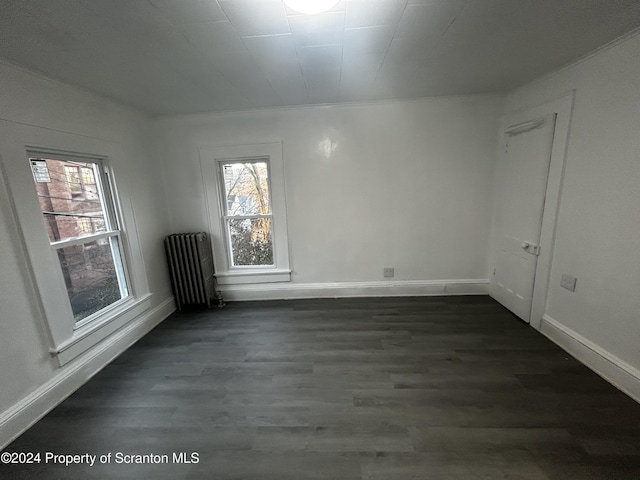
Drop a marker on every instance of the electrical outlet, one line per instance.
(568, 282)
(388, 272)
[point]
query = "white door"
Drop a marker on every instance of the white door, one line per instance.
(523, 185)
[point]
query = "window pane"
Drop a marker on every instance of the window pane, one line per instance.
(251, 242)
(246, 188)
(69, 199)
(91, 276)
(73, 179)
(87, 176)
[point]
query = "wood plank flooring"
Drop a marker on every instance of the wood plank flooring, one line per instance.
(345, 389)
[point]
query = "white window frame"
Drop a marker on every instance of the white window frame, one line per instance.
(226, 217)
(69, 340)
(113, 221)
(211, 159)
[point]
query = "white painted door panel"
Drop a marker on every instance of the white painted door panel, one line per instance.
(523, 183)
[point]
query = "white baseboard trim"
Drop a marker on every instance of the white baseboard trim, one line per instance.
(285, 291)
(25, 413)
(616, 371)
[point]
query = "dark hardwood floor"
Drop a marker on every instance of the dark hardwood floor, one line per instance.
(372, 388)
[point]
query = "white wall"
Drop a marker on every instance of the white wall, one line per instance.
(403, 184)
(598, 229)
(30, 380)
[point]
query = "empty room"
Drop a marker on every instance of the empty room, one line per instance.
(320, 239)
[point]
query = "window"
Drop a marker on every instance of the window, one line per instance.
(72, 175)
(84, 233)
(81, 181)
(244, 186)
(82, 247)
(247, 214)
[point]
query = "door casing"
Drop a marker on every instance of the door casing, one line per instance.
(562, 106)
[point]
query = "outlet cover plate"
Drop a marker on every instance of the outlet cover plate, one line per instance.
(388, 272)
(568, 282)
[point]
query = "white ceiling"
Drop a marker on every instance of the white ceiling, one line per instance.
(187, 56)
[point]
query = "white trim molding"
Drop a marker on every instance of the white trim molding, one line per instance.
(356, 289)
(211, 159)
(25, 413)
(562, 107)
(267, 276)
(616, 371)
(91, 334)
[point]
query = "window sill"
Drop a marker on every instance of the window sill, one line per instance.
(97, 330)
(253, 276)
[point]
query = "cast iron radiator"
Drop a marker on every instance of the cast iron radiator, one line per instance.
(191, 268)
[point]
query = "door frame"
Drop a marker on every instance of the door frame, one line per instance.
(562, 106)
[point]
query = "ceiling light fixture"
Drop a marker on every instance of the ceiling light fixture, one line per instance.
(311, 7)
